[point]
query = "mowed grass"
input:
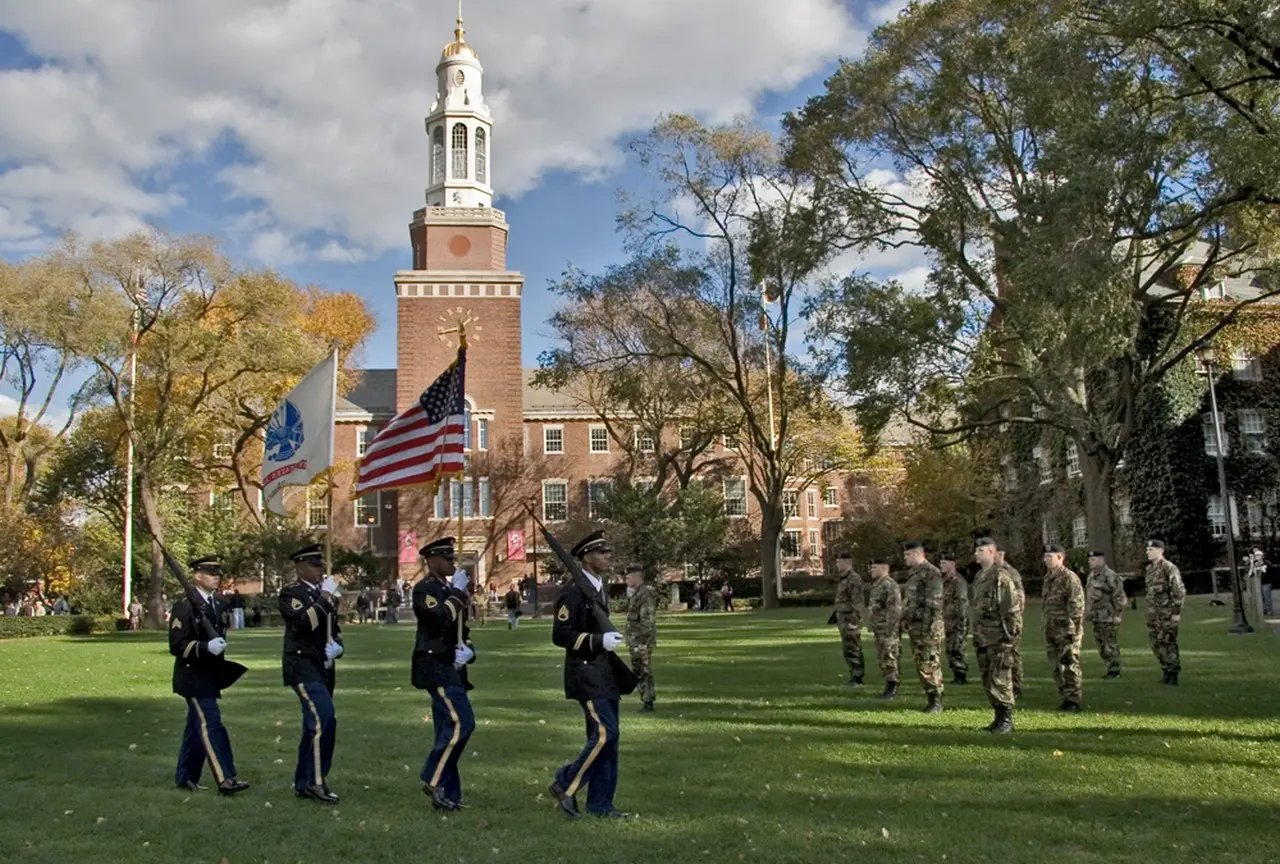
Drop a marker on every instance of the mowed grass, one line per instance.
(758, 753)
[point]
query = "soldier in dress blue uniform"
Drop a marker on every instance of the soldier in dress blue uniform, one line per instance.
(440, 667)
(589, 679)
(200, 671)
(312, 642)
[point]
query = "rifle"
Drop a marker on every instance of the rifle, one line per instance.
(227, 672)
(623, 675)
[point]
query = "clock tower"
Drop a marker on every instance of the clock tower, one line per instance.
(460, 275)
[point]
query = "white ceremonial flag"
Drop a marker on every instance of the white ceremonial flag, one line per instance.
(299, 441)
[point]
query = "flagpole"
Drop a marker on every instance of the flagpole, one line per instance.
(462, 495)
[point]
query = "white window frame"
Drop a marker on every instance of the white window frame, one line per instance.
(1245, 366)
(1049, 529)
(1214, 291)
(790, 504)
(482, 433)
(222, 499)
(645, 440)
(1073, 459)
(813, 543)
(364, 439)
(546, 443)
(592, 431)
(1010, 473)
(811, 501)
(594, 484)
(484, 498)
(830, 497)
(317, 509)
(1206, 428)
(727, 499)
(441, 502)
(359, 508)
(731, 443)
(1217, 515)
(1046, 469)
(785, 540)
(224, 447)
(1253, 430)
(563, 485)
(687, 434)
(1079, 532)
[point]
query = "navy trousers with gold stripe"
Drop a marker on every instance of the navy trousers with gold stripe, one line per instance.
(597, 765)
(319, 732)
(205, 738)
(454, 722)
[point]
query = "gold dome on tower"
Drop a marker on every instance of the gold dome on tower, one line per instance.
(459, 47)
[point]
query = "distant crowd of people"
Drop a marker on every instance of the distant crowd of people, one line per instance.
(35, 605)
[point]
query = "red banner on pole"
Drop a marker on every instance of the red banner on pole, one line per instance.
(408, 547)
(515, 545)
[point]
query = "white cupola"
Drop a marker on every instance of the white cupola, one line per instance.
(459, 130)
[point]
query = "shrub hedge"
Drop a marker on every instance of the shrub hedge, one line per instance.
(61, 625)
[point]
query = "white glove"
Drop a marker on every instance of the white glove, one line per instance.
(462, 656)
(612, 641)
(329, 586)
(460, 580)
(216, 646)
(332, 650)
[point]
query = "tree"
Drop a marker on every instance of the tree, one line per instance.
(208, 338)
(758, 236)
(1072, 207)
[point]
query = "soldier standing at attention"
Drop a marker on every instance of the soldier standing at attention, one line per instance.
(1022, 608)
(922, 599)
(1104, 603)
(1063, 626)
(441, 651)
(997, 623)
(849, 617)
(884, 608)
(589, 679)
(312, 642)
(1165, 593)
(199, 673)
(955, 613)
(642, 631)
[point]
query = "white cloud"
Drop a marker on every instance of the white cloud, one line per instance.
(323, 100)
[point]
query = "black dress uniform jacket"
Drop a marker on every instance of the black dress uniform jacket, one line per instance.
(310, 621)
(437, 607)
(588, 672)
(197, 674)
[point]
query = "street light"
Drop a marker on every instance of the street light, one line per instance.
(1206, 355)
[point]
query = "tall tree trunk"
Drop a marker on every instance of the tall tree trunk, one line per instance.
(770, 537)
(156, 612)
(11, 471)
(1096, 474)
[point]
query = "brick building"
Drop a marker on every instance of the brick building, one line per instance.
(526, 445)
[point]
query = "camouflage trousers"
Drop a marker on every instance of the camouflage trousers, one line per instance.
(1016, 671)
(995, 662)
(926, 651)
(642, 665)
(1064, 659)
(1164, 642)
(888, 645)
(1107, 636)
(851, 642)
(955, 651)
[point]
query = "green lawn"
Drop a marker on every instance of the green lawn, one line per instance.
(758, 754)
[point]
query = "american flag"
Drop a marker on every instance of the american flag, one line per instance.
(424, 442)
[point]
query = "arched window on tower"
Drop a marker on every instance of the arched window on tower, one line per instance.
(459, 151)
(482, 157)
(437, 155)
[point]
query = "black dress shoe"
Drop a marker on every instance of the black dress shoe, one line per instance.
(1111, 676)
(564, 800)
(232, 786)
(317, 793)
(191, 786)
(614, 814)
(647, 708)
(330, 793)
(1069, 707)
(439, 800)
(935, 704)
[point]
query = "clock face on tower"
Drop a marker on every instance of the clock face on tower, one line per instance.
(457, 319)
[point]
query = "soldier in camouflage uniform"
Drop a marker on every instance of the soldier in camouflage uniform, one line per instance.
(997, 624)
(1165, 593)
(1063, 626)
(642, 631)
(884, 607)
(955, 615)
(1104, 603)
(849, 617)
(1022, 608)
(922, 600)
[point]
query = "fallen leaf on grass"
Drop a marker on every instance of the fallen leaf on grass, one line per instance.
(100, 820)
(279, 724)
(884, 832)
(133, 746)
(1057, 754)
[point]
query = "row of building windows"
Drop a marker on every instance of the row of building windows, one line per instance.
(476, 435)
(460, 153)
(555, 498)
(644, 441)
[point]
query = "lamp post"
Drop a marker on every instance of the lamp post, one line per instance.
(138, 296)
(1206, 355)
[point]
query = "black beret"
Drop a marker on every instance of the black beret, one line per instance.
(875, 561)
(912, 544)
(208, 564)
(313, 552)
(984, 541)
(442, 548)
(593, 542)
(1155, 544)
(946, 556)
(635, 568)
(1097, 554)
(1054, 548)
(844, 556)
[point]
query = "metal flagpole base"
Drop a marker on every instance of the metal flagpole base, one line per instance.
(1240, 625)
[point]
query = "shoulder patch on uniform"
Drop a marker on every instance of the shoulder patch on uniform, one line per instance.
(563, 614)
(175, 624)
(432, 602)
(295, 603)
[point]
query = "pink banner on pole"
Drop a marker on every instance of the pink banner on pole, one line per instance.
(408, 547)
(515, 545)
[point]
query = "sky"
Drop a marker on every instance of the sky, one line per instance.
(292, 129)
